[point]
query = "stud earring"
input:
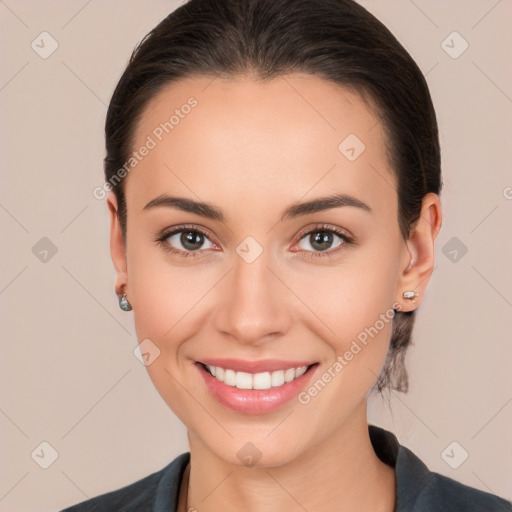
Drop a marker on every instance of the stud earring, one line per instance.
(410, 295)
(124, 304)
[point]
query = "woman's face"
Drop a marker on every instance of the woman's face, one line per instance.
(270, 285)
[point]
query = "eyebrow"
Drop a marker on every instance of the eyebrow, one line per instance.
(296, 210)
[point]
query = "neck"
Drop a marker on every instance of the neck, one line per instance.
(342, 472)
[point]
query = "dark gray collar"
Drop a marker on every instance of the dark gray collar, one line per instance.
(417, 488)
(384, 443)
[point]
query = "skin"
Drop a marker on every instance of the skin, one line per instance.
(253, 148)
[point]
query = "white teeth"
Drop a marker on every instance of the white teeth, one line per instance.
(262, 381)
(301, 371)
(277, 378)
(230, 378)
(243, 380)
(265, 380)
(289, 375)
(220, 373)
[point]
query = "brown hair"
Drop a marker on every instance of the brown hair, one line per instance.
(337, 40)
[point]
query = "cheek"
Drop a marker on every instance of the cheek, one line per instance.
(166, 305)
(353, 313)
(165, 302)
(159, 294)
(358, 310)
(351, 297)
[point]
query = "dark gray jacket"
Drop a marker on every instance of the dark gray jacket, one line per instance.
(417, 488)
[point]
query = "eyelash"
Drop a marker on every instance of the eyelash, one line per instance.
(310, 254)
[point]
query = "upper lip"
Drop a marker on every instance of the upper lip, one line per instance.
(263, 365)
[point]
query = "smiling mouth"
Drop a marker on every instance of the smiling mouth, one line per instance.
(256, 381)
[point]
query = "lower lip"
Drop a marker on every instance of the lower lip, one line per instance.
(254, 401)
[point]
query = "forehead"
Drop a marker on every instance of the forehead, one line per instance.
(247, 138)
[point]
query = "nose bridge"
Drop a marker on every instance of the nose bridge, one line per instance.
(253, 305)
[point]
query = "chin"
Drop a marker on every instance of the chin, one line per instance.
(256, 451)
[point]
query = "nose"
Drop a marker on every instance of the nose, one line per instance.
(254, 307)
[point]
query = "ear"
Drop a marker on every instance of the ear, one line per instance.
(417, 261)
(117, 248)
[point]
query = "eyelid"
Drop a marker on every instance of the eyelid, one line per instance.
(184, 227)
(343, 233)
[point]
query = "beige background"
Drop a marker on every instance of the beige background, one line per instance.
(68, 374)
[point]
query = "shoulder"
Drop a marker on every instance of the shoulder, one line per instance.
(155, 492)
(422, 490)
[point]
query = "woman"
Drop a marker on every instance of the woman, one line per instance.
(273, 170)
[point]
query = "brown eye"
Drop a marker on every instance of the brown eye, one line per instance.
(191, 240)
(186, 241)
(324, 241)
(321, 240)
